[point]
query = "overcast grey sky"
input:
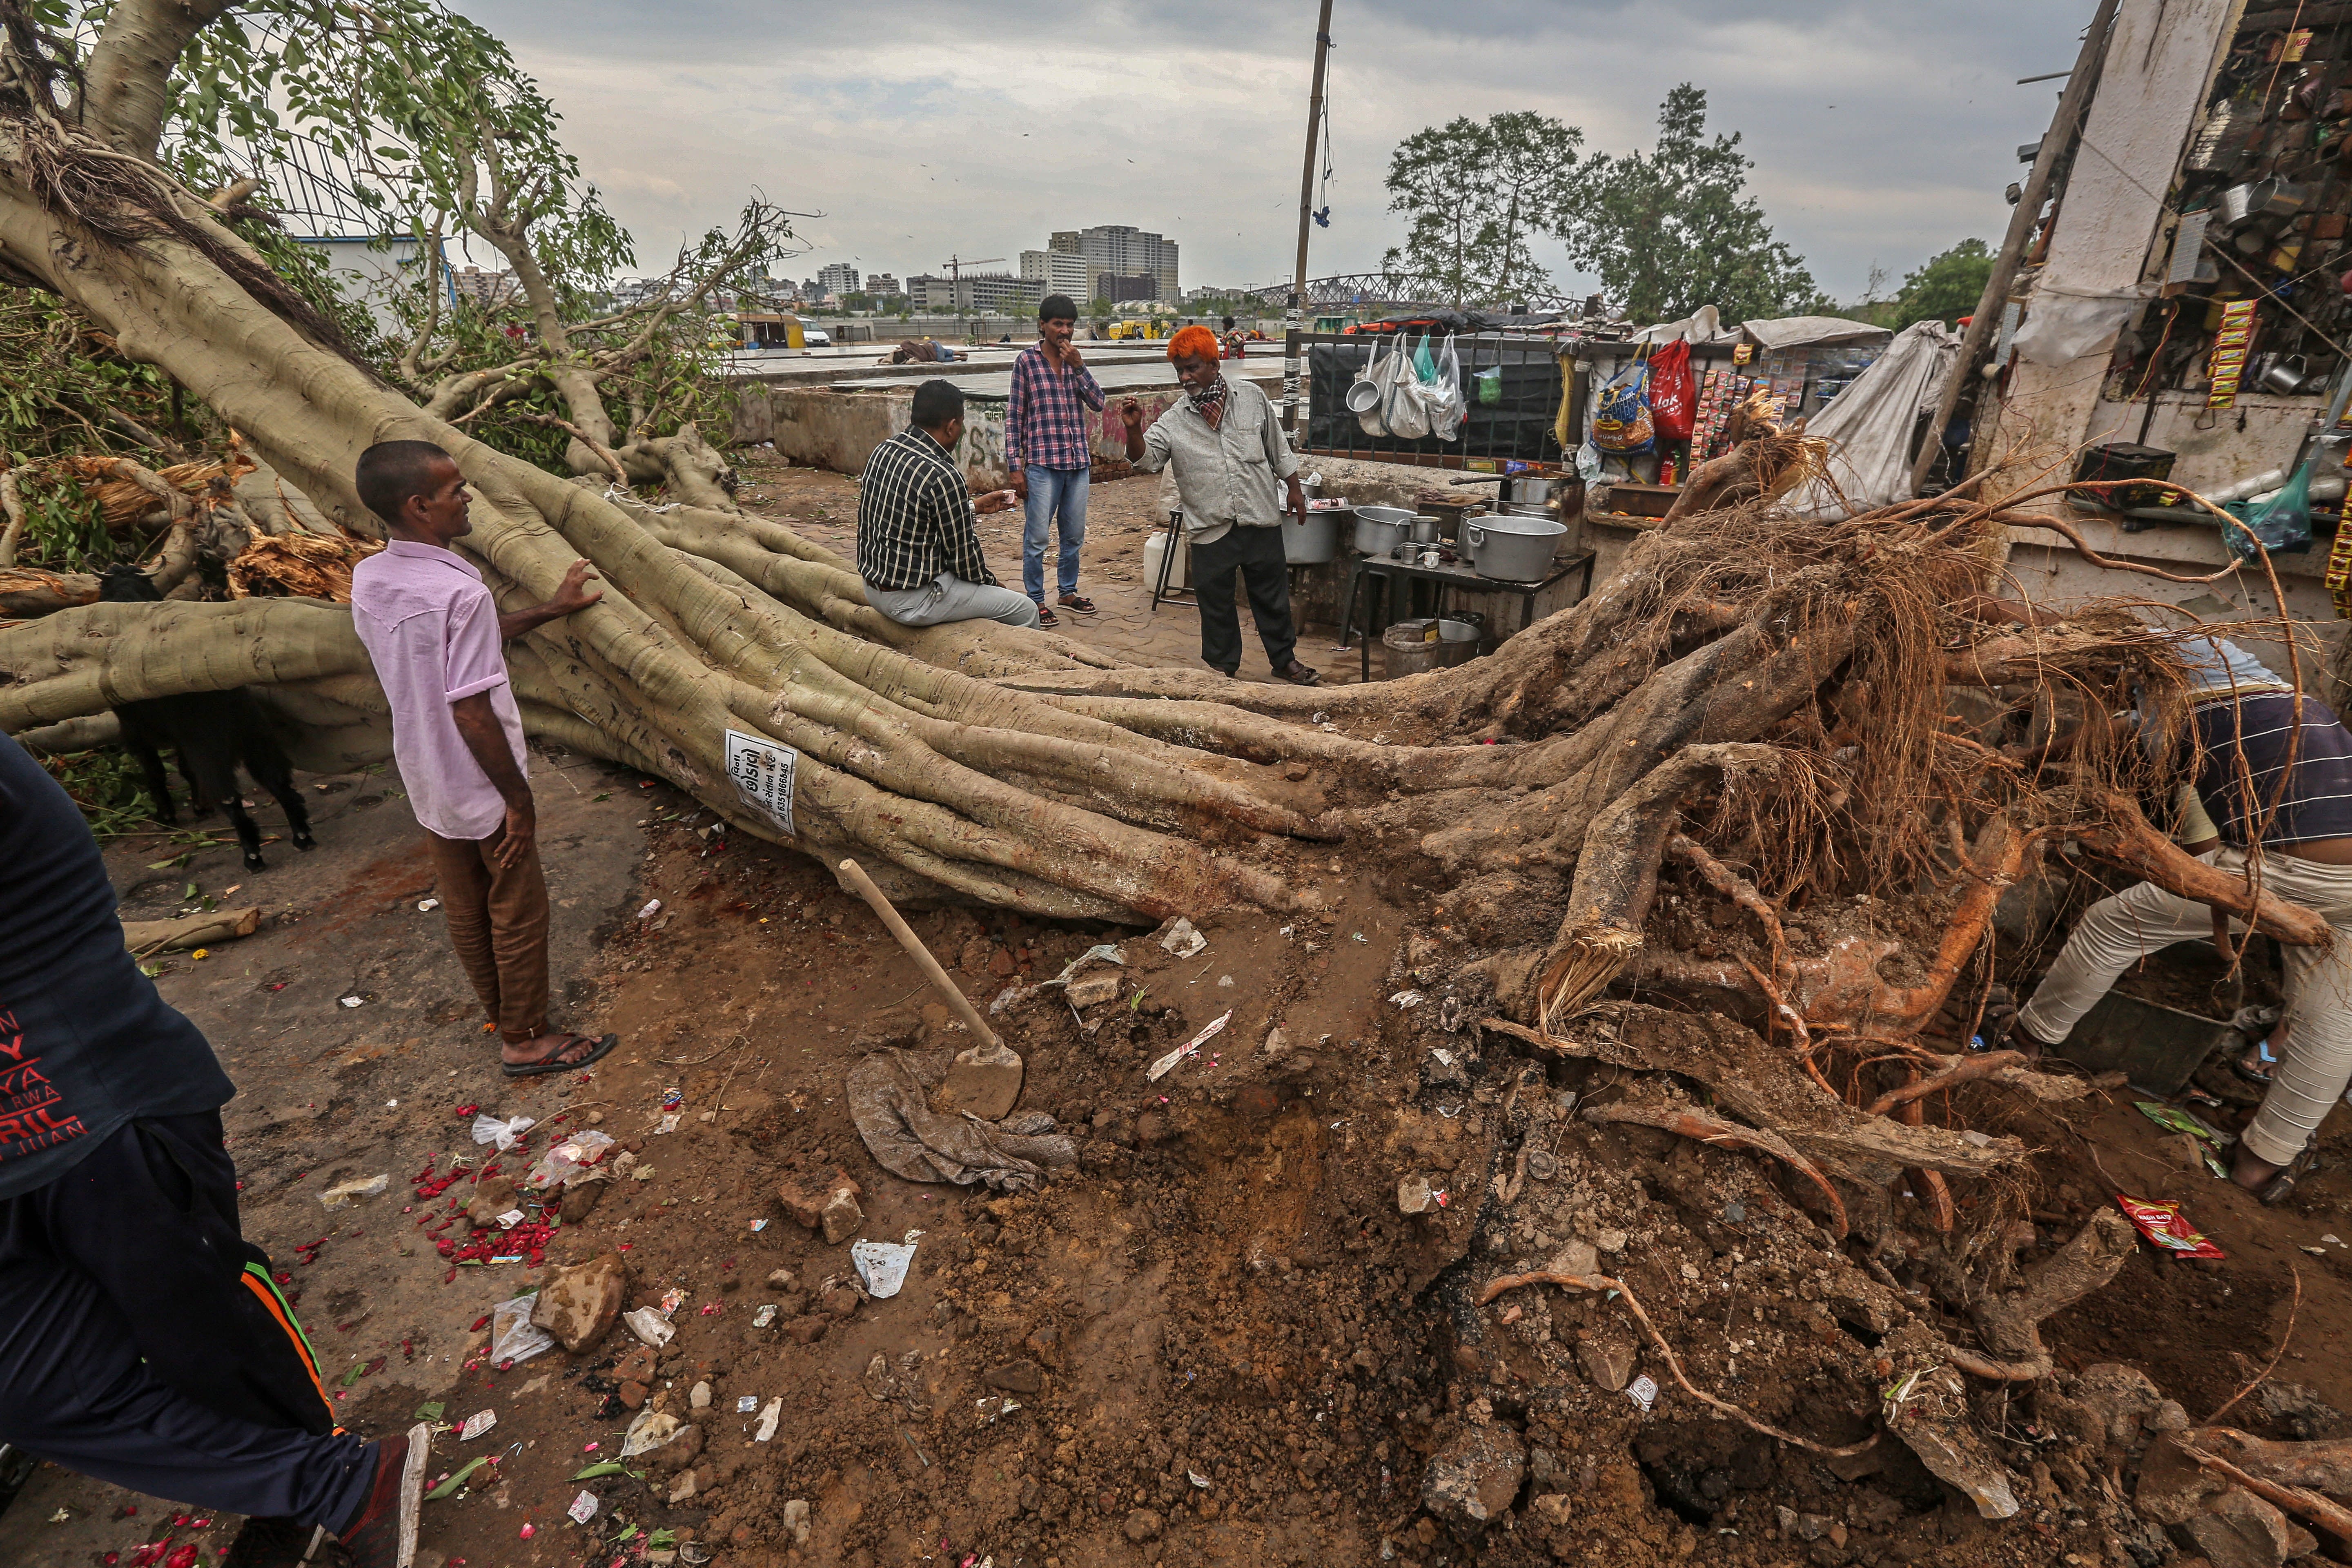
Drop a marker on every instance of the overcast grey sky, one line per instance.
(1882, 132)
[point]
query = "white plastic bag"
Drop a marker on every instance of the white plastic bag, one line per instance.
(513, 1336)
(501, 1131)
(569, 1160)
(1407, 408)
(882, 1265)
(1381, 375)
(1446, 407)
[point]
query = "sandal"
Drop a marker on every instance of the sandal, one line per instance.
(2280, 1187)
(1077, 605)
(553, 1061)
(2262, 1075)
(1047, 618)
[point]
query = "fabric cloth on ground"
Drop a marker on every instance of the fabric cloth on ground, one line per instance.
(142, 1342)
(1257, 555)
(86, 1044)
(1054, 493)
(1871, 424)
(948, 597)
(2118, 931)
(431, 630)
(889, 1100)
(498, 922)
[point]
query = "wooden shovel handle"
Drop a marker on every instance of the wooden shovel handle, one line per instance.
(855, 874)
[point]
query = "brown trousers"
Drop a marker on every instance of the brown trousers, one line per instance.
(497, 918)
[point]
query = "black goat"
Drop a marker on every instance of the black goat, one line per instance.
(212, 732)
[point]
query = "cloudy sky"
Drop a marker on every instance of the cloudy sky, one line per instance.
(929, 128)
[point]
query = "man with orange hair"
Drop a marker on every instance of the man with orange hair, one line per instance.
(1229, 454)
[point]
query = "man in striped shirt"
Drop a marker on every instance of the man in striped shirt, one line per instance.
(1047, 422)
(918, 540)
(2251, 739)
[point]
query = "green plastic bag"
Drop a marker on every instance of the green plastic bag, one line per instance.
(1490, 386)
(1424, 363)
(2281, 523)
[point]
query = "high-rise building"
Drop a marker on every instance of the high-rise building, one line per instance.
(1128, 252)
(882, 284)
(982, 292)
(1061, 272)
(1066, 240)
(838, 278)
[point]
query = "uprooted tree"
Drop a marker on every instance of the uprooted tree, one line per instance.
(1783, 724)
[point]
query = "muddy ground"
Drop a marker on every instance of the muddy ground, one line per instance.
(1214, 1339)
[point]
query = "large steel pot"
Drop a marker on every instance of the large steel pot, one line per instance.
(1512, 549)
(1380, 529)
(1314, 541)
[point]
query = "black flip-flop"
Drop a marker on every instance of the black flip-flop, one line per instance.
(556, 1064)
(2280, 1187)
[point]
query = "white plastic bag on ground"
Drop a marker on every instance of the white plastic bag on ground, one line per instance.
(649, 1431)
(567, 1160)
(513, 1336)
(882, 1265)
(494, 1130)
(649, 1326)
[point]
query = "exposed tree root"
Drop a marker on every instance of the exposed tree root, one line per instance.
(2010, 1325)
(1597, 1282)
(1967, 1070)
(1689, 1123)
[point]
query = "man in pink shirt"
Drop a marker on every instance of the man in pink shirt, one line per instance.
(435, 634)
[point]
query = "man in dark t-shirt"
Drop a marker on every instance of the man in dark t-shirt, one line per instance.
(142, 1339)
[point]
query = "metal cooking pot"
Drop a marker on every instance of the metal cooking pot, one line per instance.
(1528, 493)
(1380, 529)
(1422, 530)
(1314, 541)
(1512, 549)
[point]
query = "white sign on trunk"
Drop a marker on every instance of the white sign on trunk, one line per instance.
(763, 772)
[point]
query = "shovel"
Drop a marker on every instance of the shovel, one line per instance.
(985, 1078)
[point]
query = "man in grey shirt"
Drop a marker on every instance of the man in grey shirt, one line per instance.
(1229, 454)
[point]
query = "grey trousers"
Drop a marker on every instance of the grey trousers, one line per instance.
(950, 598)
(2116, 933)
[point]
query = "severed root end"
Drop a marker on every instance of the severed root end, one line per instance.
(1581, 967)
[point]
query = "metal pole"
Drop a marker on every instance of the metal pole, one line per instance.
(2071, 103)
(1294, 318)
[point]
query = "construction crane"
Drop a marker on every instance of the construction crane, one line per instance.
(955, 265)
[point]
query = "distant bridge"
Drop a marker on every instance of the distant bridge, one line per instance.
(1408, 290)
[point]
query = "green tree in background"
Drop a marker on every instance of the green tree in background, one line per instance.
(1946, 287)
(1676, 229)
(1476, 193)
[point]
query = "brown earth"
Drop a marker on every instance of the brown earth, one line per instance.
(1220, 1338)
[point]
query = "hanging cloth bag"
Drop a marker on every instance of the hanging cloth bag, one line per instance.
(1407, 409)
(1673, 399)
(1621, 413)
(1447, 404)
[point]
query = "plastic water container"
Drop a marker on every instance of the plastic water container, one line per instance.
(1154, 549)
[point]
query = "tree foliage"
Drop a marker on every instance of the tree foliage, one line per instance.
(1947, 286)
(1476, 193)
(1672, 230)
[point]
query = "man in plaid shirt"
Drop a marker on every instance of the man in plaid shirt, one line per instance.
(918, 547)
(1045, 447)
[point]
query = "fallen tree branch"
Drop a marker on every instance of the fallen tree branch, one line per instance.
(1966, 1071)
(2269, 1365)
(1689, 1123)
(143, 936)
(1598, 1283)
(2125, 838)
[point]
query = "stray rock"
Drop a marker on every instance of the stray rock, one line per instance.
(841, 1301)
(1093, 990)
(808, 1329)
(1577, 1258)
(492, 1199)
(578, 1304)
(1276, 1042)
(1608, 1355)
(842, 1216)
(1553, 1508)
(700, 1397)
(580, 1201)
(780, 1279)
(1017, 1377)
(2243, 1531)
(1414, 1197)
(1472, 1479)
(811, 1198)
(1610, 1241)
(796, 1520)
(1142, 1525)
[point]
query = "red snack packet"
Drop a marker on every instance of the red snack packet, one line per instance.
(2164, 1226)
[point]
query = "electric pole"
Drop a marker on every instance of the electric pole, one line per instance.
(1294, 318)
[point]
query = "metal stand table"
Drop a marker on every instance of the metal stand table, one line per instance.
(1384, 567)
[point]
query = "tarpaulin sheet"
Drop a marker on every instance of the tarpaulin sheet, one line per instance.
(1870, 424)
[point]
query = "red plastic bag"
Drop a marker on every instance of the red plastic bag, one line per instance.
(1674, 401)
(2166, 1227)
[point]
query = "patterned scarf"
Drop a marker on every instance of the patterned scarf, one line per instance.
(1210, 397)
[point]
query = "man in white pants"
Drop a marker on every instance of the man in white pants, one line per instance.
(2250, 732)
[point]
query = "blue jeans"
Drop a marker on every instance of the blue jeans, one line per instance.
(1052, 491)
